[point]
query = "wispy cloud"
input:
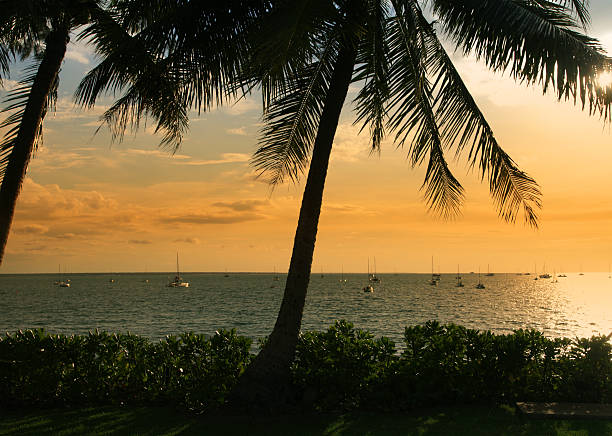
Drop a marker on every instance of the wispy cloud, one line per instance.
(240, 131)
(32, 229)
(156, 153)
(225, 158)
(140, 241)
(188, 240)
(206, 218)
(243, 205)
(77, 56)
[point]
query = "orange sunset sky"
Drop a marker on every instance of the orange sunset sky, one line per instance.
(95, 207)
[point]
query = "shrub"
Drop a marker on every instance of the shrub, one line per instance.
(191, 370)
(341, 368)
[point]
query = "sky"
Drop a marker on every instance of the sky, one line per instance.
(89, 205)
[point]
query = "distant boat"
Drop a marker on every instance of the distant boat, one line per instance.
(459, 283)
(373, 277)
(178, 281)
(489, 273)
(480, 284)
(433, 281)
(342, 279)
(368, 288)
(545, 275)
(276, 278)
(61, 282)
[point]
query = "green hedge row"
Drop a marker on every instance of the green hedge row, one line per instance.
(339, 369)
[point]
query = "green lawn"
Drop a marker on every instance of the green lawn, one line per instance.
(160, 421)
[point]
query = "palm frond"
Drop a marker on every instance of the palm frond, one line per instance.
(370, 103)
(291, 119)
(412, 113)
(16, 101)
(188, 54)
(580, 8)
(537, 41)
(463, 124)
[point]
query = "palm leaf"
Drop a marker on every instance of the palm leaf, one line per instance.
(291, 120)
(412, 113)
(537, 41)
(372, 61)
(16, 101)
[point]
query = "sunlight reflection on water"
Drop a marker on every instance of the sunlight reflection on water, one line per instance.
(575, 306)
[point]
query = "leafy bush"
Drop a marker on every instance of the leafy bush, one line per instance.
(338, 369)
(192, 370)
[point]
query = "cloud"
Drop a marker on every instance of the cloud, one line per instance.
(206, 218)
(225, 158)
(156, 153)
(51, 201)
(349, 145)
(241, 107)
(140, 241)
(32, 229)
(77, 56)
(243, 205)
(65, 236)
(240, 131)
(9, 85)
(188, 240)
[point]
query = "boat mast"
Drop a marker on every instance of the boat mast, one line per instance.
(177, 266)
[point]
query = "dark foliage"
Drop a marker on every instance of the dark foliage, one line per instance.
(342, 368)
(191, 370)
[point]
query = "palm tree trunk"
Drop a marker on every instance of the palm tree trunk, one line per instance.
(266, 382)
(31, 121)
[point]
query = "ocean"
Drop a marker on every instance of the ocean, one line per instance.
(576, 305)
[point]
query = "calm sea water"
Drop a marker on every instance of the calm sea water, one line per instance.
(574, 306)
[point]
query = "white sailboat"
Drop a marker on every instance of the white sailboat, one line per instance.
(342, 279)
(61, 282)
(433, 281)
(373, 277)
(178, 281)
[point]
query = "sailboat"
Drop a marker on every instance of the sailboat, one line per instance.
(368, 288)
(342, 279)
(178, 281)
(276, 278)
(545, 275)
(433, 281)
(479, 285)
(373, 277)
(489, 273)
(535, 267)
(61, 282)
(459, 283)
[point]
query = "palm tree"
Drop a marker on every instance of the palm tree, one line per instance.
(37, 29)
(304, 54)
(410, 89)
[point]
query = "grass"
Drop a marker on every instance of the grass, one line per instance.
(470, 421)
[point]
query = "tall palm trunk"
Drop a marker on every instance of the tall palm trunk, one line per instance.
(266, 382)
(31, 121)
